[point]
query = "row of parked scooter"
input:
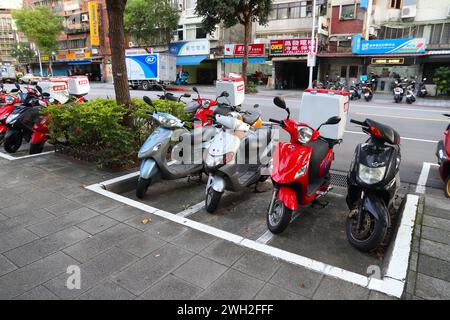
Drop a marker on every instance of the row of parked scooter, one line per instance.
(237, 149)
(22, 119)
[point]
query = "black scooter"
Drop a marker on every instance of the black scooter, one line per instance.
(373, 182)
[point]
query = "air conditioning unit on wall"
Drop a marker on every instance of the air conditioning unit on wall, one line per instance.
(409, 11)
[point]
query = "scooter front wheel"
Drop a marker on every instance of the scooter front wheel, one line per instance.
(212, 200)
(142, 187)
(279, 217)
(369, 235)
(13, 143)
(2, 137)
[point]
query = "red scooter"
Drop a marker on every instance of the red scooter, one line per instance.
(300, 172)
(203, 109)
(443, 155)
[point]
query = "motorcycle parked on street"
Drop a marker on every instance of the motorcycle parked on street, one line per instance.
(443, 155)
(234, 160)
(422, 91)
(373, 183)
(5, 111)
(300, 173)
(22, 122)
(367, 91)
(410, 97)
(398, 92)
(153, 153)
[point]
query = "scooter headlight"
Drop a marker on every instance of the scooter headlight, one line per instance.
(301, 172)
(371, 175)
(304, 134)
(9, 100)
(12, 118)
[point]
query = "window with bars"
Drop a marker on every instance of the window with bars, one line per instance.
(347, 12)
(439, 33)
(395, 4)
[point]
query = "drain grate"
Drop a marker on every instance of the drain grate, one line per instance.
(339, 179)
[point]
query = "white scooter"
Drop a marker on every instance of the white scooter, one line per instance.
(239, 156)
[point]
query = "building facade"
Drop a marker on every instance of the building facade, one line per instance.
(9, 36)
(83, 46)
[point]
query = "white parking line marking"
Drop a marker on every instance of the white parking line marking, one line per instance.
(11, 158)
(402, 138)
(423, 178)
(265, 237)
(392, 285)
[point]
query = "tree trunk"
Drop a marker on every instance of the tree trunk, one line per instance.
(247, 39)
(116, 10)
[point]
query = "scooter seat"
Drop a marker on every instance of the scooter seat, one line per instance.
(252, 117)
(320, 150)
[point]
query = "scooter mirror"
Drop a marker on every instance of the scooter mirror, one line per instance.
(46, 94)
(148, 100)
(256, 106)
(187, 95)
(279, 102)
(424, 79)
(224, 94)
(333, 120)
(14, 90)
(38, 88)
(17, 86)
(195, 89)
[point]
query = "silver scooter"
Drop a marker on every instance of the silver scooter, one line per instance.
(239, 155)
(153, 153)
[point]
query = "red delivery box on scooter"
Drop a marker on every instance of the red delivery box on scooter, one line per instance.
(235, 86)
(318, 105)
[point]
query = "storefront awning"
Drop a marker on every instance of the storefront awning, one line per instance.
(239, 60)
(190, 60)
(78, 62)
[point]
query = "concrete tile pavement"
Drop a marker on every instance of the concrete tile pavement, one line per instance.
(122, 258)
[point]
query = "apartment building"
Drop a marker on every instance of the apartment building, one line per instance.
(9, 36)
(386, 38)
(84, 44)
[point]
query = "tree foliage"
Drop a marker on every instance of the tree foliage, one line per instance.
(41, 26)
(150, 21)
(23, 53)
(441, 78)
(231, 13)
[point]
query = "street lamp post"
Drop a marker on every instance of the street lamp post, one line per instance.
(313, 44)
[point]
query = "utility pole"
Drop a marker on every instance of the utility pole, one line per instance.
(312, 47)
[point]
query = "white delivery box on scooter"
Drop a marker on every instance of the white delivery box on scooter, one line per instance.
(235, 86)
(318, 105)
(57, 89)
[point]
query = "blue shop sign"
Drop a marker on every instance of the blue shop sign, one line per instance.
(409, 45)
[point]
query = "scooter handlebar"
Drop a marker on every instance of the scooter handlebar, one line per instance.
(357, 122)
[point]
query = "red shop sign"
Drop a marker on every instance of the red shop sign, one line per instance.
(295, 46)
(254, 49)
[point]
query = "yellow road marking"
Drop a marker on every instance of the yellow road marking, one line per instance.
(400, 117)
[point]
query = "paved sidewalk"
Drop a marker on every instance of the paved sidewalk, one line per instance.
(429, 270)
(48, 221)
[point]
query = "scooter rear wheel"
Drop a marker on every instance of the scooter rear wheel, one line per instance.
(278, 219)
(212, 200)
(371, 235)
(142, 187)
(12, 144)
(447, 187)
(2, 137)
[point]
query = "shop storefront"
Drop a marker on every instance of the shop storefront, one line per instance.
(193, 61)
(391, 59)
(259, 69)
(289, 60)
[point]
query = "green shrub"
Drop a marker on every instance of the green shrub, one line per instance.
(441, 78)
(99, 128)
(251, 87)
